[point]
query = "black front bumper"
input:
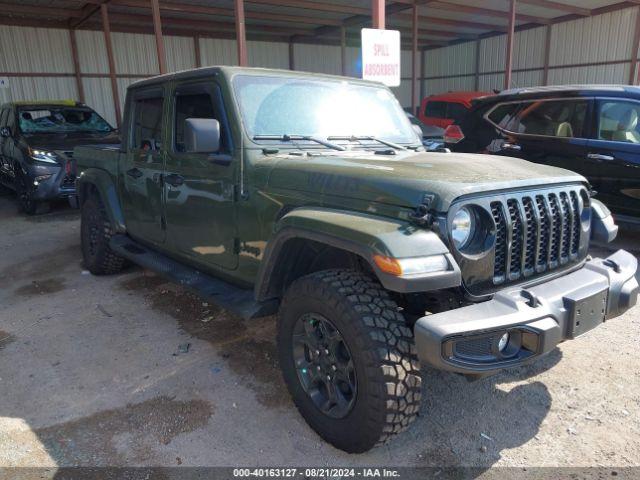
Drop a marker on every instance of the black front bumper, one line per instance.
(536, 319)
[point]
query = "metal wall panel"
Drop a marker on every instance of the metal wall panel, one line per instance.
(403, 93)
(92, 52)
(595, 39)
(180, 53)
(453, 60)
(354, 62)
(135, 53)
(28, 49)
(98, 96)
(441, 85)
(317, 58)
(618, 73)
(39, 88)
(217, 51)
(268, 54)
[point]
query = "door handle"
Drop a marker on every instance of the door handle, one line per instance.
(599, 156)
(174, 180)
(134, 173)
(511, 146)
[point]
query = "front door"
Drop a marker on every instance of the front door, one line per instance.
(199, 187)
(551, 132)
(612, 161)
(142, 166)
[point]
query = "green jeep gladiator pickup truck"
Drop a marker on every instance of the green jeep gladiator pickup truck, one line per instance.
(310, 196)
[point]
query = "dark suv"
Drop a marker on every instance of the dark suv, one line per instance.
(36, 148)
(592, 130)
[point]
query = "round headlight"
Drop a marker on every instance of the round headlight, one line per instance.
(462, 228)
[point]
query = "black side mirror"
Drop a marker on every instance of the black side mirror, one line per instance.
(201, 135)
(5, 132)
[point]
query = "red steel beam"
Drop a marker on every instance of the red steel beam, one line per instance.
(509, 60)
(378, 14)
(76, 64)
(106, 28)
(547, 54)
(241, 36)
(634, 78)
(196, 50)
(157, 29)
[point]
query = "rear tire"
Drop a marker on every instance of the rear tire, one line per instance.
(95, 233)
(379, 344)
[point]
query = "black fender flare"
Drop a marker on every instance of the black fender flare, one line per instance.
(103, 183)
(365, 235)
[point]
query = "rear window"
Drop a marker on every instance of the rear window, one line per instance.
(436, 110)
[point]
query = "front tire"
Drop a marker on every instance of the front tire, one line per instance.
(28, 204)
(95, 233)
(378, 389)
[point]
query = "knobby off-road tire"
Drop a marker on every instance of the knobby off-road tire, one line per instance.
(95, 232)
(380, 345)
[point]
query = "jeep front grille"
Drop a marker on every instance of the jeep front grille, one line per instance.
(536, 233)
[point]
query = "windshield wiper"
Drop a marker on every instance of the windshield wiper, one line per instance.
(357, 138)
(310, 138)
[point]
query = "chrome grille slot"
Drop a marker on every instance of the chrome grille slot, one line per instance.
(535, 234)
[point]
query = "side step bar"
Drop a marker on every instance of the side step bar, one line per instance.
(237, 300)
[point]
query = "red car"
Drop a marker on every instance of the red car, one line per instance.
(444, 109)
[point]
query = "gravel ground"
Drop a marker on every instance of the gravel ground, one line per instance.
(129, 370)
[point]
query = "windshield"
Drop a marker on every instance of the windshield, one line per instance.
(277, 106)
(61, 120)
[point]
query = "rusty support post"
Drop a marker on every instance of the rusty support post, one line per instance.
(157, 28)
(241, 36)
(414, 60)
(423, 74)
(547, 54)
(76, 64)
(378, 14)
(510, 34)
(112, 64)
(634, 77)
(196, 50)
(343, 50)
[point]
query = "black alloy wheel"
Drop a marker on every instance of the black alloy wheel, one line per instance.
(324, 365)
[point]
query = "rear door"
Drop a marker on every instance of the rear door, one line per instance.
(612, 161)
(143, 164)
(552, 132)
(200, 187)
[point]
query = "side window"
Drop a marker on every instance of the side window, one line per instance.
(147, 123)
(456, 111)
(436, 109)
(561, 118)
(197, 101)
(618, 121)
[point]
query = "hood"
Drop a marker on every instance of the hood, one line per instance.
(68, 141)
(405, 178)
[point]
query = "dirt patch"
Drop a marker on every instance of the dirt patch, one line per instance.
(38, 287)
(5, 339)
(41, 266)
(123, 436)
(65, 215)
(247, 346)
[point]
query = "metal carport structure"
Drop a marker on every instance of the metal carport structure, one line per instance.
(425, 25)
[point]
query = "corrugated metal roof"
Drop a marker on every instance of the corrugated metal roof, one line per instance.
(452, 18)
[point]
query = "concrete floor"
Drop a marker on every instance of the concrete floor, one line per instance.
(129, 370)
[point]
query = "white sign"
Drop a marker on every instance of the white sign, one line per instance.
(381, 56)
(4, 82)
